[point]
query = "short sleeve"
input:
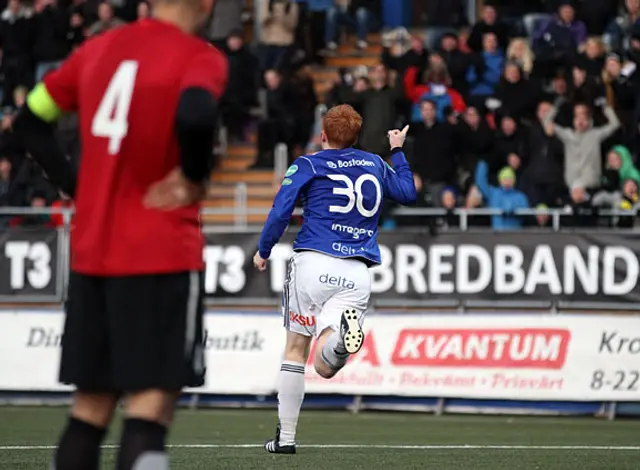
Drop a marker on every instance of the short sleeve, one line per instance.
(208, 70)
(63, 84)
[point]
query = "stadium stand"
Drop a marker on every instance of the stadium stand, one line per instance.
(492, 83)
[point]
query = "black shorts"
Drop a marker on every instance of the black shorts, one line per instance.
(133, 333)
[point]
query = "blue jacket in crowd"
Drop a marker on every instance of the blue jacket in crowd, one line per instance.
(497, 197)
(483, 79)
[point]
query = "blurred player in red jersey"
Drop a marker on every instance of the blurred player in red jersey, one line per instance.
(147, 98)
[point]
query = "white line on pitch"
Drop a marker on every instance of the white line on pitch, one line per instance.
(368, 446)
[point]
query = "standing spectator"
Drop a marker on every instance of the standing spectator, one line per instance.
(226, 17)
(433, 156)
(520, 53)
(504, 197)
(51, 43)
(488, 24)
(516, 95)
(143, 11)
(16, 37)
(242, 87)
(583, 159)
(557, 42)
(358, 13)
(476, 143)
(510, 147)
(485, 71)
(456, 60)
(618, 34)
(437, 89)
(543, 180)
(279, 20)
(316, 18)
(106, 20)
(379, 104)
(278, 127)
(304, 96)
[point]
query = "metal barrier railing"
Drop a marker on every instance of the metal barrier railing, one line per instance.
(241, 210)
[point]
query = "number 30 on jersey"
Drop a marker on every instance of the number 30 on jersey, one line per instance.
(353, 191)
(112, 118)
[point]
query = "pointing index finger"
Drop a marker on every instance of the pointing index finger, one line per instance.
(405, 130)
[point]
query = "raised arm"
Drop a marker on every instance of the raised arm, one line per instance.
(482, 179)
(398, 183)
(612, 125)
(562, 133)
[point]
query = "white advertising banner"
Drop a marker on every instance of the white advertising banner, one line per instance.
(508, 356)
(243, 352)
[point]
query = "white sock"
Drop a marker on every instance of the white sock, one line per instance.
(290, 397)
(333, 352)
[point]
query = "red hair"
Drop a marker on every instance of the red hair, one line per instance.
(342, 125)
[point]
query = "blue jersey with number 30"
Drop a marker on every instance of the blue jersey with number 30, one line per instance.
(342, 193)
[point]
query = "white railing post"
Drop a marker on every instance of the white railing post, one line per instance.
(240, 205)
(281, 160)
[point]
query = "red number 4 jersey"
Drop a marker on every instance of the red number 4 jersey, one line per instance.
(126, 86)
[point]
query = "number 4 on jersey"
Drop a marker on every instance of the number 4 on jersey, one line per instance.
(111, 119)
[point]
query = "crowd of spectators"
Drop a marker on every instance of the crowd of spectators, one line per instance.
(512, 114)
(536, 105)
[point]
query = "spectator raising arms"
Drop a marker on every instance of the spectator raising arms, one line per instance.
(504, 197)
(583, 159)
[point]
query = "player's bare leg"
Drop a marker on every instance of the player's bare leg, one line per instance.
(79, 446)
(335, 346)
(147, 416)
(290, 394)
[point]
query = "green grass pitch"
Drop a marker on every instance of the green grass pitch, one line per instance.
(231, 439)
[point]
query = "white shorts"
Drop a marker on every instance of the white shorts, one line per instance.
(319, 288)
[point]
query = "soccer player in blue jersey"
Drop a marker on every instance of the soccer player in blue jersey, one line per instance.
(328, 285)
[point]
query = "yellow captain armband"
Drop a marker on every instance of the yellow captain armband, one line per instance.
(42, 104)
